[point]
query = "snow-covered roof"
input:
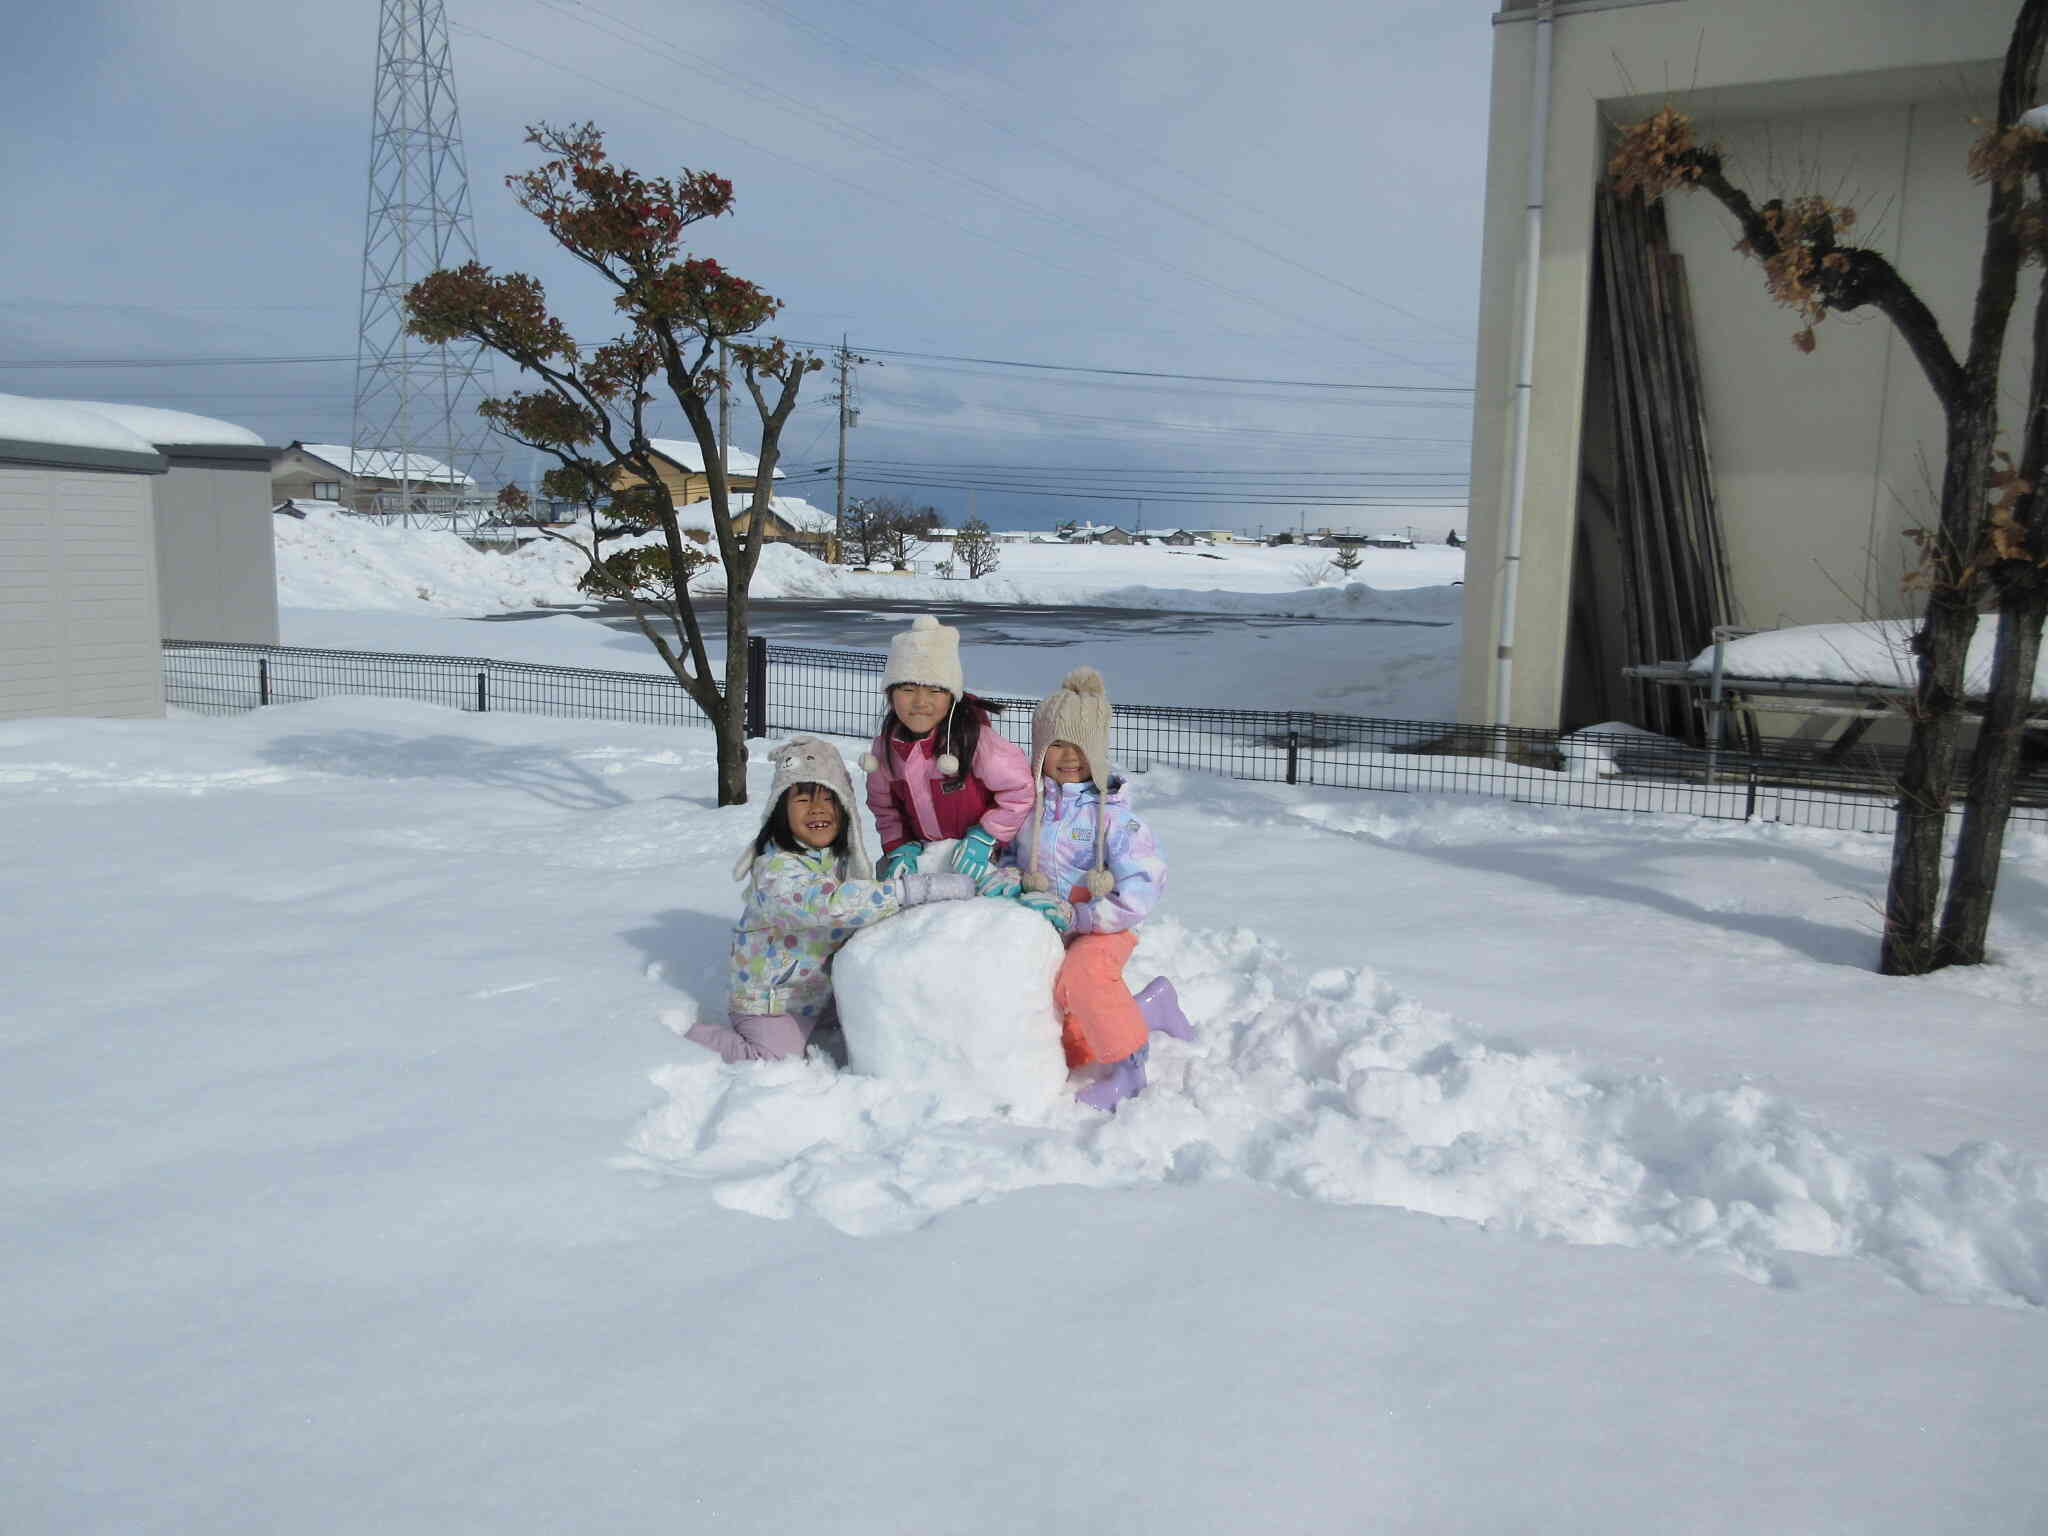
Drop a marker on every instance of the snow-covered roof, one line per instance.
(381, 464)
(170, 428)
(793, 510)
(682, 452)
(48, 431)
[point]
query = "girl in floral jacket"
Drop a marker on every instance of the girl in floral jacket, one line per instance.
(810, 888)
(1094, 871)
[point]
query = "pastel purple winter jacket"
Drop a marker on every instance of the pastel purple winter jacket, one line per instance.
(1066, 852)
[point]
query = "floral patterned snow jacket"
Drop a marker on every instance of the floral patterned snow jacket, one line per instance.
(800, 908)
(1066, 852)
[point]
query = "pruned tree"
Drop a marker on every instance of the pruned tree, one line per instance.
(886, 528)
(1982, 546)
(1347, 558)
(975, 547)
(589, 408)
(868, 527)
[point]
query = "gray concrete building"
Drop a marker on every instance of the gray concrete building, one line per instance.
(1820, 462)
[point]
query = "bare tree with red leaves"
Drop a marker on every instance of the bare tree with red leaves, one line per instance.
(589, 409)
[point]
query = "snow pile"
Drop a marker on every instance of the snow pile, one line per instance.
(982, 1035)
(1336, 1088)
(338, 561)
(332, 560)
(1878, 652)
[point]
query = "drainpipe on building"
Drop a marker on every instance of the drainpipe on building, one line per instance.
(1525, 365)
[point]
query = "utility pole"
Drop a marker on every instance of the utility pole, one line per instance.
(849, 416)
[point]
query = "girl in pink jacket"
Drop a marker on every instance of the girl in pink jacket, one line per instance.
(938, 769)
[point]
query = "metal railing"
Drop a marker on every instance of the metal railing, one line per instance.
(838, 693)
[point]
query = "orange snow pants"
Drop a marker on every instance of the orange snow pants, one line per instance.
(1099, 1019)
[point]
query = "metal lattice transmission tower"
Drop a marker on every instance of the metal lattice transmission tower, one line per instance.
(415, 400)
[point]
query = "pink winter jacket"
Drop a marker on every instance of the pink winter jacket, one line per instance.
(911, 802)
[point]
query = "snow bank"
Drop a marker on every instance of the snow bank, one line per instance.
(955, 1000)
(338, 561)
(1335, 1088)
(331, 560)
(1876, 652)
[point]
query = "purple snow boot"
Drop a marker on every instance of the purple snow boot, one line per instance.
(1124, 1080)
(1161, 1006)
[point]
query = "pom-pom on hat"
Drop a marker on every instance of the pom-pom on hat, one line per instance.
(812, 760)
(1077, 711)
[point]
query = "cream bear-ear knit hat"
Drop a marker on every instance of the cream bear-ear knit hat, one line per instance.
(928, 652)
(810, 760)
(1077, 711)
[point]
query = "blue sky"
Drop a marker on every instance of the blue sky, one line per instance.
(1283, 192)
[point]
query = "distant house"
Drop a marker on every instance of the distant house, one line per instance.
(368, 480)
(1370, 540)
(1087, 533)
(680, 465)
(789, 520)
(1180, 537)
(1111, 536)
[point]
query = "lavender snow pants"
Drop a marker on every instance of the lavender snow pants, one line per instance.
(754, 1036)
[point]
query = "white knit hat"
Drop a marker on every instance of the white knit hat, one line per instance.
(1077, 712)
(811, 760)
(929, 653)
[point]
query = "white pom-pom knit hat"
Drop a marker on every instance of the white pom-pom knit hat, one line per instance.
(1078, 712)
(810, 760)
(929, 653)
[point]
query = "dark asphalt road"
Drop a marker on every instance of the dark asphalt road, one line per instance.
(868, 624)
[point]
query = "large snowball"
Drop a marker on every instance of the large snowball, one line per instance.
(956, 996)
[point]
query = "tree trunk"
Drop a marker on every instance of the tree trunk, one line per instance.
(732, 717)
(1926, 785)
(1927, 780)
(1974, 879)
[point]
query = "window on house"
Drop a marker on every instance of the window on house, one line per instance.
(327, 490)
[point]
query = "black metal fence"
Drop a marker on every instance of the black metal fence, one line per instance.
(838, 693)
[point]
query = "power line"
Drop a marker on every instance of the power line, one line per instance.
(1150, 373)
(1087, 166)
(733, 80)
(1045, 469)
(179, 362)
(895, 352)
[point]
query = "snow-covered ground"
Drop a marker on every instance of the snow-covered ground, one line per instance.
(331, 561)
(1533, 1171)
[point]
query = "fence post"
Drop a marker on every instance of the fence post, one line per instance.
(262, 680)
(1749, 810)
(483, 702)
(1293, 755)
(757, 685)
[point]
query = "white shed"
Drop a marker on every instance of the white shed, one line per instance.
(79, 629)
(216, 557)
